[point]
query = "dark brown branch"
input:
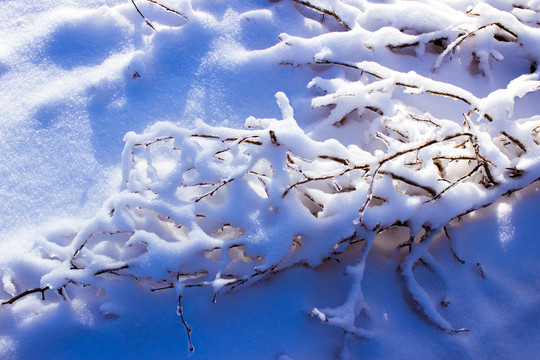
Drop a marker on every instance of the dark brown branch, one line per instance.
(73, 266)
(168, 9)
(484, 162)
(451, 247)
(453, 96)
(304, 181)
(424, 120)
(375, 110)
(403, 152)
(480, 270)
(188, 329)
(364, 167)
(25, 293)
(426, 188)
(214, 190)
(265, 187)
(248, 140)
(433, 92)
(154, 141)
(429, 143)
(323, 11)
(455, 158)
(476, 168)
(518, 143)
(171, 286)
(396, 131)
(465, 36)
(111, 270)
(347, 239)
(336, 159)
(514, 172)
(504, 28)
(144, 17)
(204, 136)
(273, 138)
(402, 46)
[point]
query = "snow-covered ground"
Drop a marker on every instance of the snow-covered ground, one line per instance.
(380, 200)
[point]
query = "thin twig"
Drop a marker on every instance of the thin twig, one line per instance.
(323, 11)
(451, 247)
(111, 270)
(169, 9)
(27, 292)
(480, 270)
(426, 188)
(518, 143)
(462, 37)
(144, 17)
(455, 183)
(214, 190)
(305, 181)
(336, 159)
(188, 329)
(398, 83)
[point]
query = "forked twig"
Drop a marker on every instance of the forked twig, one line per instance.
(27, 292)
(223, 183)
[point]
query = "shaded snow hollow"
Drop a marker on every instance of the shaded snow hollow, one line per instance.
(155, 197)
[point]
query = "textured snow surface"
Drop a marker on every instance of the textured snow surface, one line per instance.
(269, 179)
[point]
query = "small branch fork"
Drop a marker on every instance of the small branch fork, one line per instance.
(397, 83)
(464, 36)
(27, 292)
(60, 290)
(223, 183)
(160, 5)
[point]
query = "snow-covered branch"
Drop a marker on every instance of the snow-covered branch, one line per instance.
(218, 207)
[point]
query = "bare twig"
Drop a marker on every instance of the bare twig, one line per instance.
(323, 11)
(144, 17)
(336, 159)
(223, 183)
(480, 270)
(168, 9)
(111, 270)
(154, 141)
(305, 181)
(188, 329)
(398, 83)
(462, 37)
(426, 188)
(518, 143)
(27, 292)
(451, 247)
(424, 120)
(170, 286)
(476, 168)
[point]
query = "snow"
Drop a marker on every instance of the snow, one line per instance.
(270, 179)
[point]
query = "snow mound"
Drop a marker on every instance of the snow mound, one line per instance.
(220, 207)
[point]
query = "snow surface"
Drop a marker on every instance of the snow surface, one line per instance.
(311, 186)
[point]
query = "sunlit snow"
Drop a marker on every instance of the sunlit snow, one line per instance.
(270, 179)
